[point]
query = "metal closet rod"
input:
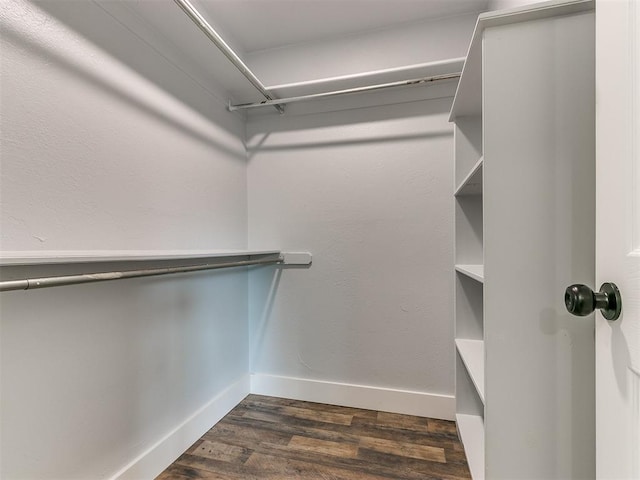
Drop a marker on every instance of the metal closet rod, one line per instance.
(32, 283)
(271, 100)
(219, 42)
(346, 91)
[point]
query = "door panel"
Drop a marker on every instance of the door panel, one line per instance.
(618, 236)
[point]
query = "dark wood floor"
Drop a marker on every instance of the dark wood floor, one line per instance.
(272, 438)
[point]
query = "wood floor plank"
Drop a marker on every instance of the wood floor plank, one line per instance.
(441, 426)
(403, 449)
(268, 438)
(256, 400)
(318, 415)
(212, 468)
(180, 472)
(405, 422)
(221, 451)
(324, 447)
(411, 468)
(305, 420)
(246, 434)
(275, 467)
(287, 430)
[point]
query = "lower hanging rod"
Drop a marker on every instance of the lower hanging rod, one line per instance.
(347, 91)
(32, 283)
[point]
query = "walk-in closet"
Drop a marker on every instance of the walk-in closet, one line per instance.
(359, 239)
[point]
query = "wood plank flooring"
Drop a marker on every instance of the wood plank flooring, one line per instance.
(267, 438)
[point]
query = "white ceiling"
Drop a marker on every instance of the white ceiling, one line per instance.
(263, 24)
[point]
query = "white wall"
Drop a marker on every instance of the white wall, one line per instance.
(368, 191)
(96, 156)
(504, 4)
(412, 43)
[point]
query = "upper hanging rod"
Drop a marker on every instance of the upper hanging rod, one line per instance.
(368, 88)
(219, 42)
(31, 283)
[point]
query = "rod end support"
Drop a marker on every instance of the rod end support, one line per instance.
(296, 258)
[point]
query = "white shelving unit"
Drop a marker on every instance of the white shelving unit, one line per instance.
(469, 268)
(523, 193)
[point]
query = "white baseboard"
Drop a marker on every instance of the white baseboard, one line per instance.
(153, 461)
(357, 396)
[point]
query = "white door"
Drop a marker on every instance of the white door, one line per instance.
(618, 236)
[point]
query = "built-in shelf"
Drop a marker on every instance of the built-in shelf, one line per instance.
(472, 183)
(493, 117)
(471, 430)
(472, 354)
(472, 271)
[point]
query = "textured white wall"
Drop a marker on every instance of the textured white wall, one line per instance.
(95, 156)
(368, 191)
(93, 148)
(504, 4)
(412, 43)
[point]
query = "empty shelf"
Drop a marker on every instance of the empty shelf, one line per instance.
(473, 271)
(472, 183)
(472, 354)
(92, 256)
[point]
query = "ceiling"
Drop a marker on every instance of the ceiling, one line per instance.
(264, 24)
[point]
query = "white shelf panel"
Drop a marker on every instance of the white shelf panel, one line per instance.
(472, 354)
(472, 271)
(91, 256)
(468, 98)
(471, 430)
(472, 183)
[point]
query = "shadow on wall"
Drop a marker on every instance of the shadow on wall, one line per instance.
(112, 367)
(342, 143)
(358, 108)
(269, 132)
(263, 288)
(154, 68)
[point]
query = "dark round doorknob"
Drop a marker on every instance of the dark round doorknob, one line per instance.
(580, 300)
